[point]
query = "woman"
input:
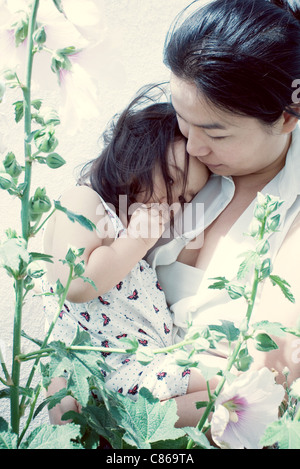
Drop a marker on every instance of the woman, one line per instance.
(233, 66)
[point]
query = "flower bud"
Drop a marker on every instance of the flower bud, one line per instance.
(273, 223)
(5, 181)
(263, 247)
(266, 269)
(54, 161)
(39, 204)
(45, 140)
(259, 212)
(40, 35)
(254, 227)
(21, 30)
(11, 165)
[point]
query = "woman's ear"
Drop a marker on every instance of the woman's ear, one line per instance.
(289, 121)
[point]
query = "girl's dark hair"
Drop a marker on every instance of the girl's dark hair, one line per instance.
(243, 55)
(135, 141)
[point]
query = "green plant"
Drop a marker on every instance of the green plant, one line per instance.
(146, 423)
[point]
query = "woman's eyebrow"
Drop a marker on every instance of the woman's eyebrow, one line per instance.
(215, 125)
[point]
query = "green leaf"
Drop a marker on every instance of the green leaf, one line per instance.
(14, 256)
(131, 344)
(3, 425)
(220, 284)
(251, 259)
(273, 328)
(144, 356)
(235, 291)
(264, 343)
(36, 103)
(52, 401)
(39, 256)
(147, 420)
(80, 365)
(201, 404)
(228, 329)
(101, 421)
(85, 222)
(53, 437)
(198, 437)
(284, 432)
(8, 440)
(19, 110)
(284, 286)
(59, 6)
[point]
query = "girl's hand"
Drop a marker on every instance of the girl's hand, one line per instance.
(148, 222)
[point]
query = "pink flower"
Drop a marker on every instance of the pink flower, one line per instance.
(244, 409)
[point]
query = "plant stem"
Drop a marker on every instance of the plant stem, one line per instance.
(232, 359)
(41, 351)
(16, 366)
(19, 283)
(27, 124)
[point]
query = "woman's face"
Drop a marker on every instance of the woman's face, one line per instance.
(228, 144)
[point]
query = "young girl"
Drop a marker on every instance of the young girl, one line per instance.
(145, 162)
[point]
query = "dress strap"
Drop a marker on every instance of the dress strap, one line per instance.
(117, 224)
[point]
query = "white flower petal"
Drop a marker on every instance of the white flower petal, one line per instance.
(253, 398)
(87, 16)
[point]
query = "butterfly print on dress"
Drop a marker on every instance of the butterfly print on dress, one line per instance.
(81, 325)
(134, 295)
(120, 336)
(161, 374)
(104, 343)
(86, 316)
(143, 342)
(133, 390)
(106, 319)
(102, 301)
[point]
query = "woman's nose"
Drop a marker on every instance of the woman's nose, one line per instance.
(195, 144)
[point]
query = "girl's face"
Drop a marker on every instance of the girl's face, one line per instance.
(229, 145)
(197, 176)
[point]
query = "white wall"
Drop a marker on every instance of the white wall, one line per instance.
(136, 31)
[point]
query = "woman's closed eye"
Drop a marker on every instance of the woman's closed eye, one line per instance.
(217, 138)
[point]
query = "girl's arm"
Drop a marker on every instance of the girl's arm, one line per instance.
(107, 261)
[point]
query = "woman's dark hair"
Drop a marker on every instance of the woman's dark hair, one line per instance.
(135, 141)
(243, 55)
